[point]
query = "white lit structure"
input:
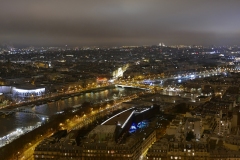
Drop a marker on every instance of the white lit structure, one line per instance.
(23, 91)
(116, 115)
(30, 92)
(119, 71)
(5, 89)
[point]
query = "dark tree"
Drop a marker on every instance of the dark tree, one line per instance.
(181, 108)
(190, 136)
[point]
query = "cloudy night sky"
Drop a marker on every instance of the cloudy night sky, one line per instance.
(119, 22)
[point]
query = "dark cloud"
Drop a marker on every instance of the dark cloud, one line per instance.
(125, 22)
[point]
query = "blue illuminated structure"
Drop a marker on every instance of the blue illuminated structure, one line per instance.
(140, 125)
(133, 128)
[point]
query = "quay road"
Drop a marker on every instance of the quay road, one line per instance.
(77, 123)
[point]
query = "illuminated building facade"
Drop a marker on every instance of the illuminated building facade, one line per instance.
(119, 71)
(223, 125)
(23, 91)
(168, 148)
(28, 92)
(101, 145)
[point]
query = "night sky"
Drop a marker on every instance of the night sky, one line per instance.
(119, 22)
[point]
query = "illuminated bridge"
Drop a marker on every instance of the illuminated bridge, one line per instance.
(22, 110)
(128, 86)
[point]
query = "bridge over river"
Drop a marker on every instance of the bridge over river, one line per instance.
(24, 109)
(129, 86)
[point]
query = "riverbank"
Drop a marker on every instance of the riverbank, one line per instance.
(87, 114)
(53, 97)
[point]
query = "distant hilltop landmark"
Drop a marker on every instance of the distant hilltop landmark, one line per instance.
(161, 44)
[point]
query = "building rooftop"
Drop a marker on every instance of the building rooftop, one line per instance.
(118, 118)
(103, 129)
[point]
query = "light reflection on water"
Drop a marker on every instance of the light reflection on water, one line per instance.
(19, 120)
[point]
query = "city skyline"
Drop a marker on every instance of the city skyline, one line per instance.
(117, 23)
